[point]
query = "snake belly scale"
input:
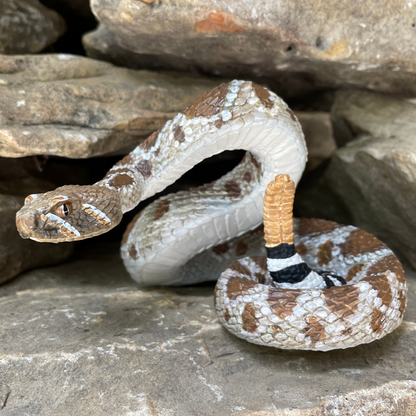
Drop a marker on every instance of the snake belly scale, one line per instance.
(191, 236)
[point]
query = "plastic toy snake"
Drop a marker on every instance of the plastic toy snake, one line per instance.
(191, 236)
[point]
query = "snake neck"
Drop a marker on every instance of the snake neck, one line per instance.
(237, 115)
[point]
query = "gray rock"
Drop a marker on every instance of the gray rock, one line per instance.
(27, 26)
(102, 44)
(371, 181)
(335, 44)
(81, 338)
(319, 137)
(356, 113)
(66, 105)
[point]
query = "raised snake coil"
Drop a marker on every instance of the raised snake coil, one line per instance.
(191, 236)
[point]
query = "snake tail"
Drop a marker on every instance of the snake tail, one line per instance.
(285, 265)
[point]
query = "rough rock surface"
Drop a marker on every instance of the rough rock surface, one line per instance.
(82, 338)
(318, 135)
(27, 26)
(65, 105)
(337, 43)
(356, 113)
(371, 181)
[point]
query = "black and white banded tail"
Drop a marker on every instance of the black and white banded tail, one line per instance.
(289, 271)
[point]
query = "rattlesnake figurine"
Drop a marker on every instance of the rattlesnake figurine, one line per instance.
(191, 236)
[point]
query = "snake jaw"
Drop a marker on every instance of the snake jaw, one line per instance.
(69, 213)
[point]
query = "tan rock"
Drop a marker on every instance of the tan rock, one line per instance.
(27, 26)
(66, 105)
(336, 43)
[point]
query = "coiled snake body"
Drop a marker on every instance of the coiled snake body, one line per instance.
(191, 236)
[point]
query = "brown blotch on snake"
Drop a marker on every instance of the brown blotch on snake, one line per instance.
(261, 278)
(121, 179)
(342, 300)
(314, 330)
(359, 242)
(260, 260)
(133, 252)
(227, 315)
(150, 141)
(220, 248)
(255, 162)
(209, 104)
(263, 95)
(388, 263)
(282, 301)
(145, 168)
(219, 123)
(378, 319)
(250, 322)
(325, 253)
(127, 160)
(301, 249)
(162, 209)
(233, 189)
(314, 227)
(382, 285)
(178, 134)
(241, 248)
(239, 286)
(353, 272)
(247, 177)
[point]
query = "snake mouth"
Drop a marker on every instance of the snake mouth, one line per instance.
(30, 227)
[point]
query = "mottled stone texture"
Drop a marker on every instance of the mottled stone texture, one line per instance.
(66, 105)
(371, 181)
(335, 42)
(81, 338)
(27, 26)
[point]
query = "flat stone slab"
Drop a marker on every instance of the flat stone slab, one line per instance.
(68, 105)
(82, 338)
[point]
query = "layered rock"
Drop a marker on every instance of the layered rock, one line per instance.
(27, 26)
(371, 181)
(85, 328)
(335, 43)
(66, 105)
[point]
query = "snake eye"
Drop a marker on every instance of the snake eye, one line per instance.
(64, 210)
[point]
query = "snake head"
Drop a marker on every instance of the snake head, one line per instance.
(69, 213)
